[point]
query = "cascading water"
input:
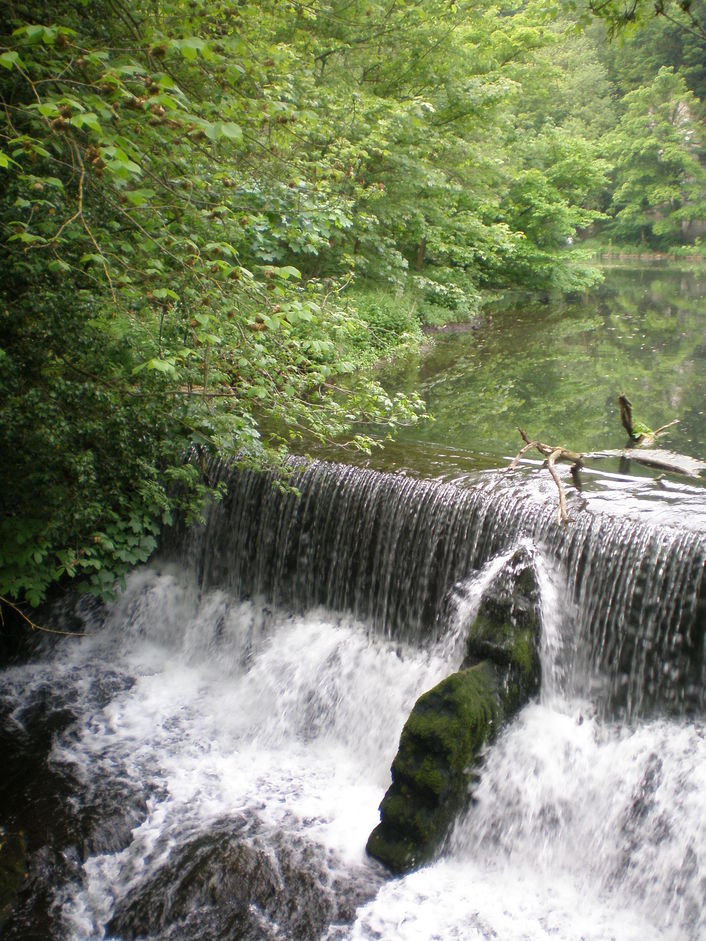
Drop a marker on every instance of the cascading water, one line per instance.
(387, 549)
(208, 763)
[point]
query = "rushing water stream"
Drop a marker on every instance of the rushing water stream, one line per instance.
(207, 763)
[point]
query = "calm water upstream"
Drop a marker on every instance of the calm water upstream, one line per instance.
(207, 763)
(557, 369)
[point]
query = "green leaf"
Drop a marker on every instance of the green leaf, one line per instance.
(87, 120)
(165, 366)
(34, 33)
(11, 59)
(191, 47)
(47, 109)
(27, 238)
(139, 197)
(5, 161)
(166, 294)
(122, 167)
(288, 271)
(231, 131)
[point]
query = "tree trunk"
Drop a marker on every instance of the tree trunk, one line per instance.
(421, 252)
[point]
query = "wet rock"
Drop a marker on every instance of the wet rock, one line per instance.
(13, 865)
(507, 630)
(60, 819)
(239, 882)
(443, 738)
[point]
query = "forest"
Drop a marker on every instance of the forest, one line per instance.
(214, 216)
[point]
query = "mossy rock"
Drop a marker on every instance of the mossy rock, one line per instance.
(507, 631)
(445, 733)
(440, 742)
(13, 868)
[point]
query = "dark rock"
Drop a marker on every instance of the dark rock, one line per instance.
(449, 725)
(507, 631)
(13, 869)
(59, 818)
(237, 881)
(442, 737)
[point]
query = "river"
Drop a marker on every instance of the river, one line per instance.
(557, 369)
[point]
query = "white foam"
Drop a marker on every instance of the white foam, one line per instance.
(216, 709)
(300, 731)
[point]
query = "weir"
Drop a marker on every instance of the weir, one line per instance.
(390, 549)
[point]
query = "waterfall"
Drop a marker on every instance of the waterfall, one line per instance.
(208, 761)
(388, 549)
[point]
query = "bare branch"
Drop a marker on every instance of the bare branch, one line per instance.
(552, 453)
(562, 515)
(36, 627)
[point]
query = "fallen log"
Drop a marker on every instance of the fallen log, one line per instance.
(669, 461)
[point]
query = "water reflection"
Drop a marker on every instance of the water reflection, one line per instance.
(557, 369)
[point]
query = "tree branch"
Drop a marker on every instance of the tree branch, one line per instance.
(36, 627)
(552, 453)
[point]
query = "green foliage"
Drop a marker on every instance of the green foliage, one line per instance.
(386, 320)
(445, 295)
(441, 742)
(661, 181)
(213, 214)
(677, 21)
(554, 195)
(153, 292)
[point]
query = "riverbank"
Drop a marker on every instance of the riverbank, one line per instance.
(609, 252)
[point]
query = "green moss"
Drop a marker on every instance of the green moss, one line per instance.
(449, 725)
(524, 651)
(507, 629)
(423, 776)
(439, 744)
(13, 860)
(398, 853)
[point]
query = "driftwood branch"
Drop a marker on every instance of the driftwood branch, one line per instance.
(552, 453)
(639, 449)
(639, 435)
(31, 624)
(562, 515)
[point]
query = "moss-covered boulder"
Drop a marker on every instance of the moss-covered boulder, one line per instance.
(507, 631)
(444, 735)
(440, 741)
